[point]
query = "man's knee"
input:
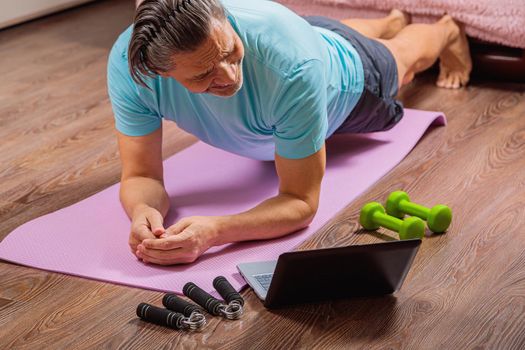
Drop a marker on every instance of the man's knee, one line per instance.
(397, 49)
(409, 76)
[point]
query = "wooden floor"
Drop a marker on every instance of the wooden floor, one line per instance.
(57, 146)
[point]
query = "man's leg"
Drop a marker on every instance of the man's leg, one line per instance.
(383, 28)
(417, 46)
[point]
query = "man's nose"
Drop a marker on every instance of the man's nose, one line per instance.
(227, 73)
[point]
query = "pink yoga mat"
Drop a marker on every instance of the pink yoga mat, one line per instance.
(89, 239)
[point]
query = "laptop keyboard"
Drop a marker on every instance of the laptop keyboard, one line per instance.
(264, 280)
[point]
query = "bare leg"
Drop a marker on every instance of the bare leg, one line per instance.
(418, 46)
(384, 28)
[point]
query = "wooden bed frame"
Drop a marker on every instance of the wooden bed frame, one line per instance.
(497, 61)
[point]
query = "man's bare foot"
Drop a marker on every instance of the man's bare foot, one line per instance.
(455, 63)
(397, 21)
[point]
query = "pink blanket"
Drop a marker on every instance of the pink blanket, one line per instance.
(498, 21)
(89, 239)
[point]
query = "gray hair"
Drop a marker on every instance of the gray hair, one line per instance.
(163, 28)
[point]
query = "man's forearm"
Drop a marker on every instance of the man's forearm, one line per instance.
(272, 218)
(137, 192)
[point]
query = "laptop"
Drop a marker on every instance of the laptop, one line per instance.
(332, 273)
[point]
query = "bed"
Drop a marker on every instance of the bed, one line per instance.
(496, 28)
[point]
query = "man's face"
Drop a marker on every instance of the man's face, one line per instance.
(215, 66)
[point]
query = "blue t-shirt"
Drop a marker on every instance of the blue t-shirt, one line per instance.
(300, 83)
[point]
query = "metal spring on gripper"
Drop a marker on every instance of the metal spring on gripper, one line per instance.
(234, 300)
(194, 317)
(232, 310)
(167, 318)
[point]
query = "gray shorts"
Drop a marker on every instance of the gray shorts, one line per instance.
(377, 109)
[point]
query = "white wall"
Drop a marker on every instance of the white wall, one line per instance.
(17, 11)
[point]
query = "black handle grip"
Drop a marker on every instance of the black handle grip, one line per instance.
(226, 290)
(212, 305)
(175, 303)
(160, 316)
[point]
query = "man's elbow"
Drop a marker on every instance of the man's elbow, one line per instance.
(308, 214)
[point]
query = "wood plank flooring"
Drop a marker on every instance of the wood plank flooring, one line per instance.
(57, 146)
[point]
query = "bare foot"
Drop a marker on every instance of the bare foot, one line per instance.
(455, 63)
(397, 21)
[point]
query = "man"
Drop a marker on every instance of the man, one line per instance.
(253, 78)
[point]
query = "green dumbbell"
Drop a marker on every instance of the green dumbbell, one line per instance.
(373, 216)
(438, 217)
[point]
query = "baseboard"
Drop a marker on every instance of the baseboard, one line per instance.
(15, 11)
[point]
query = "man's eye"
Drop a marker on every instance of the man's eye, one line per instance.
(206, 75)
(200, 78)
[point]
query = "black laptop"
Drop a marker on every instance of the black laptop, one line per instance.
(332, 273)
